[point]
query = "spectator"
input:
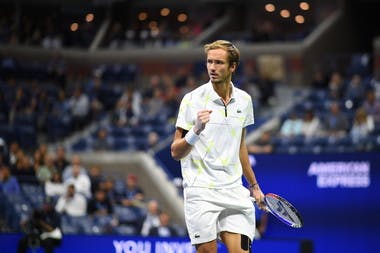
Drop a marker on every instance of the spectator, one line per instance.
(45, 171)
(96, 178)
(292, 126)
(122, 114)
(372, 105)
(100, 204)
(152, 218)
(23, 170)
(263, 145)
(132, 96)
(100, 208)
(80, 108)
(75, 161)
(37, 160)
(362, 126)
(310, 124)
(164, 229)
(108, 186)
(336, 123)
(355, 91)
(55, 187)
(266, 87)
(101, 142)
(81, 181)
(153, 139)
(8, 183)
(132, 195)
(72, 203)
(60, 162)
(336, 86)
(14, 149)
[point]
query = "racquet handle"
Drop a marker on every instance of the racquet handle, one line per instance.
(265, 208)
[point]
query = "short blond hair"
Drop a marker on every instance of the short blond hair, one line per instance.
(233, 52)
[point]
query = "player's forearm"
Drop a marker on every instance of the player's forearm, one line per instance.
(180, 148)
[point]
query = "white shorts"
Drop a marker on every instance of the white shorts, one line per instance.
(211, 211)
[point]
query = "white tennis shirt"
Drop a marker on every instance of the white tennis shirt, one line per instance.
(214, 160)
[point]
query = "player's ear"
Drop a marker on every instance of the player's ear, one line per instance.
(233, 66)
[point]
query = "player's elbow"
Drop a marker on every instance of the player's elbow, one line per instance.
(174, 152)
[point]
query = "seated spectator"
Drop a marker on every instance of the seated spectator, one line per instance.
(101, 142)
(81, 181)
(372, 105)
(336, 86)
(44, 172)
(96, 178)
(100, 208)
(262, 145)
(132, 195)
(99, 204)
(14, 148)
(292, 126)
(23, 169)
(61, 161)
(152, 218)
(153, 139)
(55, 187)
(310, 124)
(132, 96)
(123, 114)
(75, 161)
(362, 126)
(355, 91)
(37, 160)
(108, 186)
(336, 123)
(8, 183)
(164, 229)
(72, 203)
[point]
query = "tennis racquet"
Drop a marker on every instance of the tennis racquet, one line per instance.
(282, 210)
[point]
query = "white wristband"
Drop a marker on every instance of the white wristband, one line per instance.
(191, 137)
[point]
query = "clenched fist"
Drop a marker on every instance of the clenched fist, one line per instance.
(203, 117)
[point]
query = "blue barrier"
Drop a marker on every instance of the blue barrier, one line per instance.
(124, 244)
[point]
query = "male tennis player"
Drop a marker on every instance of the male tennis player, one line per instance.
(209, 141)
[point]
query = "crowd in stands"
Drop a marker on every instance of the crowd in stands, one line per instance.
(341, 114)
(88, 200)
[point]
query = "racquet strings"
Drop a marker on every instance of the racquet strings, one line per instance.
(284, 210)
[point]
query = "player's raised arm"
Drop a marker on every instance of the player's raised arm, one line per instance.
(184, 140)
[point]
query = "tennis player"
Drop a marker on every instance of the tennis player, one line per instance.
(210, 143)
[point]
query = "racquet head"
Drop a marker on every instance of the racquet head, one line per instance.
(283, 210)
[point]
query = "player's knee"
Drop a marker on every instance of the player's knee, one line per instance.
(208, 247)
(246, 243)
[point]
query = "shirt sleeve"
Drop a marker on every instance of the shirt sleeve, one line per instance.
(249, 119)
(184, 119)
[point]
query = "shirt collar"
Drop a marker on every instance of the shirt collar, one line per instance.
(215, 97)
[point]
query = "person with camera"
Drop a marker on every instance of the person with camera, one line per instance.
(42, 229)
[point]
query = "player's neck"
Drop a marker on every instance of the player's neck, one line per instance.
(224, 90)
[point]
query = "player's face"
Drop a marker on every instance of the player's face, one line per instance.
(218, 66)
